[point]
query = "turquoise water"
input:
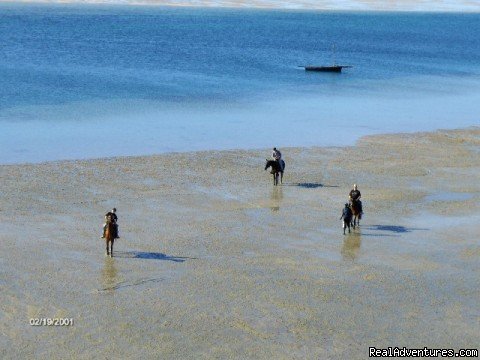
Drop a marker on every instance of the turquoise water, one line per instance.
(94, 81)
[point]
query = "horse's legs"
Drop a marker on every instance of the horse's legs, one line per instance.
(111, 248)
(107, 252)
(281, 177)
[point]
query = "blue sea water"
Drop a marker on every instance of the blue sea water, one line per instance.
(93, 81)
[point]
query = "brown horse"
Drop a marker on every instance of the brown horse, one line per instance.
(356, 211)
(110, 230)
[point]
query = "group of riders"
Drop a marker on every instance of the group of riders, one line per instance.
(354, 196)
(354, 200)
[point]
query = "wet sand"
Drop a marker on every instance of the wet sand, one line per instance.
(215, 262)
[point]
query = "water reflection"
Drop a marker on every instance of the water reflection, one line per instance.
(109, 274)
(276, 196)
(351, 246)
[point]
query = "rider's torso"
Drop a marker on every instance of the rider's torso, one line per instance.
(112, 216)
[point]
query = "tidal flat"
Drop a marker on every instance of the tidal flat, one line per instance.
(216, 262)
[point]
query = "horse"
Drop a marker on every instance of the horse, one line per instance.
(356, 211)
(276, 170)
(110, 234)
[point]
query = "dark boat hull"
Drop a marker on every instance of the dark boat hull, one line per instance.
(336, 69)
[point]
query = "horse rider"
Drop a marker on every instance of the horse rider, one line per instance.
(277, 156)
(355, 196)
(113, 217)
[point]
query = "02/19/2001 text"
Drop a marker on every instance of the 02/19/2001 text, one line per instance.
(51, 321)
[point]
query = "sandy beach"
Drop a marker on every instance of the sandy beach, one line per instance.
(214, 262)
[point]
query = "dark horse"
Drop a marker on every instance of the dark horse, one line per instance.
(276, 170)
(356, 211)
(110, 234)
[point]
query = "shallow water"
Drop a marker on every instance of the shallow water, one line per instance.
(93, 81)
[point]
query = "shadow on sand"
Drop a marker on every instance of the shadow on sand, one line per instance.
(379, 235)
(309, 185)
(149, 256)
(392, 228)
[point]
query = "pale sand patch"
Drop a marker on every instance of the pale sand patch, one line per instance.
(214, 262)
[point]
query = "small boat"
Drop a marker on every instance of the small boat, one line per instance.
(332, 68)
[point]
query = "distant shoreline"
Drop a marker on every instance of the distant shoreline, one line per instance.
(305, 5)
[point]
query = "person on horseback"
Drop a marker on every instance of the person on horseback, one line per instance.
(355, 196)
(113, 217)
(277, 156)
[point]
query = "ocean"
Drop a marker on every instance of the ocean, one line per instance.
(89, 81)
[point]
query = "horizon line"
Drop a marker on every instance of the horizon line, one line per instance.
(298, 5)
